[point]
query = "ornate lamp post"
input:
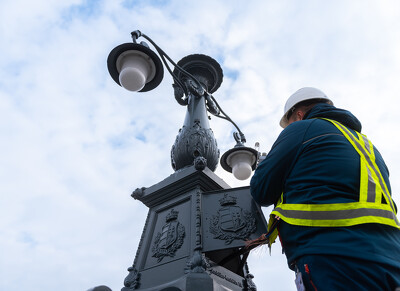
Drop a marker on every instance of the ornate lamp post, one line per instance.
(196, 223)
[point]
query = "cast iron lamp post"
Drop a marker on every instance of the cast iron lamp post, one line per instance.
(196, 222)
(137, 68)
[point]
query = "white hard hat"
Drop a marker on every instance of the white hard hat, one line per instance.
(306, 93)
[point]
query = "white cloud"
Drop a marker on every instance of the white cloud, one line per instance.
(74, 144)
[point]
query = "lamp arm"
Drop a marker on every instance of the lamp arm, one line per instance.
(135, 34)
(239, 136)
(213, 106)
(177, 81)
(163, 55)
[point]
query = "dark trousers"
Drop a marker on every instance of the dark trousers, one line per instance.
(327, 272)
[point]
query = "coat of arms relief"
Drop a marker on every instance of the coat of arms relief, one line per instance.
(170, 239)
(232, 222)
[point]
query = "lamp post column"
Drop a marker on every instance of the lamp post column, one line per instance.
(195, 142)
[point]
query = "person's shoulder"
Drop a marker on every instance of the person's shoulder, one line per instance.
(295, 131)
(307, 128)
(299, 126)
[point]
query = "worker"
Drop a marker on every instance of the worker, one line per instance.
(334, 211)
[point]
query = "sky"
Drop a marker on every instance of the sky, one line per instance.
(74, 144)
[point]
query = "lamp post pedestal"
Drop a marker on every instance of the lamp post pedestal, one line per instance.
(195, 221)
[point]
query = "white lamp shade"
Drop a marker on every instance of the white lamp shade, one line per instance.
(241, 163)
(135, 70)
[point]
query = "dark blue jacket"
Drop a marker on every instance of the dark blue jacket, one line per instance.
(312, 162)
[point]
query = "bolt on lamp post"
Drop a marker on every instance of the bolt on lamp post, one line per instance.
(196, 222)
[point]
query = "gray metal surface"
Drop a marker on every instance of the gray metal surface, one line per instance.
(195, 221)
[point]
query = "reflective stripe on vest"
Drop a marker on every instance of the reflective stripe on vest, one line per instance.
(369, 208)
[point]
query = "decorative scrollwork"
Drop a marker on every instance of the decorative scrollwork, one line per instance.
(197, 263)
(131, 281)
(192, 142)
(138, 193)
(195, 88)
(249, 279)
(200, 163)
(179, 95)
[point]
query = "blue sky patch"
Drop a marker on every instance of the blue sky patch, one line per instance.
(87, 9)
(28, 239)
(129, 4)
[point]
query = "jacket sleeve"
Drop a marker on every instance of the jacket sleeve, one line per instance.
(267, 183)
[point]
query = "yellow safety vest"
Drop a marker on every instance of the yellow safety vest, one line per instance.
(369, 208)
